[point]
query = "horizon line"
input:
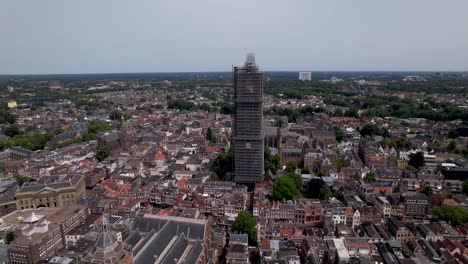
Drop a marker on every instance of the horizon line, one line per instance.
(187, 72)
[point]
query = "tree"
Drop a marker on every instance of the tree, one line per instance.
(96, 126)
(339, 134)
(417, 160)
(324, 193)
(305, 170)
(245, 223)
(271, 162)
(338, 112)
(453, 214)
(32, 141)
(181, 104)
(285, 187)
(5, 116)
(291, 167)
(204, 107)
(22, 179)
(214, 176)
(10, 236)
(210, 136)
(452, 145)
(297, 180)
(102, 152)
(465, 187)
(453, 134)
(115, 115)
(369, 130)
(403, 143)
(372, 129)
(227, 109)
(351, 112)
(427, 191)
(279, 123)
(341, 163)
(369, 177)
(223, 163)
(11, 131)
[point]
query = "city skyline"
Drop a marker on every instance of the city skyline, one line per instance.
(90, 37)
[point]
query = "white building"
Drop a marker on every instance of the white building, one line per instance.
(305, 76)
(343, 254)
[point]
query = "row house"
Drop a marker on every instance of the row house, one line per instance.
(415, 207)
(398, 230)
(382, 207)
(305, 212)
(369, 190)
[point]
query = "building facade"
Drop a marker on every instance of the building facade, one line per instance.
(51, 191)
(248, 123)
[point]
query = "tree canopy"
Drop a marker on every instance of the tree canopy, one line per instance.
(223, 163)
(339, 134)
(372, 130)
(181, 104)
(214, 177)
(291, 167)
(286, 187)
(465, 187)
(117, 115)
(96, 126)
(427, 190)
(453, 134)
(32, 141)
(22, 179)
(10, 236)
(102, 152)
(271, 162)
(247, 224)
(453, 214)
(210, 136)
(369, 177)
(11, 131)
(5, 116)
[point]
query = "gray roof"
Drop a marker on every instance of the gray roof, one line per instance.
(51, 183)
(194, 253)
(133, 239)
(243, 238)
(177, 249)
(167, 238)
(107, 249)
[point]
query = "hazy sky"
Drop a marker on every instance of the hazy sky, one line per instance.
(95, 36)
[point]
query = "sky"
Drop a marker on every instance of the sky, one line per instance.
(114, 36)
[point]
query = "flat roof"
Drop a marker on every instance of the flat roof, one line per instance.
(55, 216)
(341, 248)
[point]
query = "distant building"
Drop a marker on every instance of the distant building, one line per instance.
(305, 76)
(51, 191)
(12, 104)
(248, 123)
(15, 153)
(115, 140)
